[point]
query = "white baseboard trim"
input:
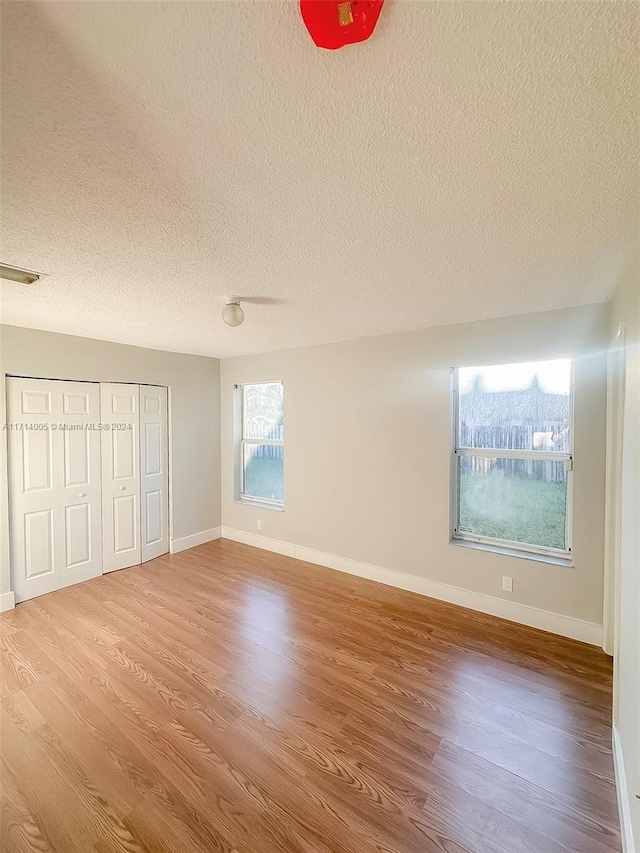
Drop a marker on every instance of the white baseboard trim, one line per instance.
(555, 623)
(626, 827)
(195, 539)
(7, 601)
(263, 542)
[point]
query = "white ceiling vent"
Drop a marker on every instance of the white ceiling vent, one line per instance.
(19, 275)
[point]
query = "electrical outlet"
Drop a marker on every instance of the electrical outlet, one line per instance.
(259, 524)
(507, 584)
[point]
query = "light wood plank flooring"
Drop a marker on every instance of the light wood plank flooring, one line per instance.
(232, 700)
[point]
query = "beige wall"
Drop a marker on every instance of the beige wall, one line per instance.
(625, 310)
(367, 452)
(195, 417)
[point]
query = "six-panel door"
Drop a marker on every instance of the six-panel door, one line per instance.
(120, 406)
(54, 483)
(154, 464)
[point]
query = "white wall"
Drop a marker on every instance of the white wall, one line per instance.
(195, 414)
(625, 310)
(367, 445)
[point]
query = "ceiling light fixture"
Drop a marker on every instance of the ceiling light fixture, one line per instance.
(232, 313)
(19, 275)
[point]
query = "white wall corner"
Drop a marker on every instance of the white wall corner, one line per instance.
(195, 539)
(7, 601)
(624, 803)
(555, 623)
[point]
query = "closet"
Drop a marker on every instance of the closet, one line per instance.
(88, 480)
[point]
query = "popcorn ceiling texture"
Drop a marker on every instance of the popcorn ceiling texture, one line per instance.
(471, 160)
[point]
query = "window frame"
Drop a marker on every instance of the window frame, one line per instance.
(507, 545)
(242, 496)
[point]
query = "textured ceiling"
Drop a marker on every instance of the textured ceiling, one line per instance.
(472, 160)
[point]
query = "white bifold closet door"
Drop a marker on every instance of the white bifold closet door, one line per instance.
(120, 407)
(134, 474)
(54, 484)
(154, 473)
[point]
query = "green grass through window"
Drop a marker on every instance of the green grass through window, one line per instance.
(515, 508)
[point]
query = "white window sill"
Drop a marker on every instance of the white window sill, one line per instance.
(260, 504)
(565, 562)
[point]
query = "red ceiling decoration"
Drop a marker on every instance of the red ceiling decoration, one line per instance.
(334, 24)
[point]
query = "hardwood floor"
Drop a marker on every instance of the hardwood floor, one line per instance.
(228, 699)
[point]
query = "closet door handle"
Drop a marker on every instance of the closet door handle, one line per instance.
(122, 488)
(82, 495)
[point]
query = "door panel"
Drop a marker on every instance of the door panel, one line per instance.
(153, 449)
(120, 476)
(125, 401)
(76, 458)
(78, 535)
(36, 402)
(153, 505)
(38, 543)
(54, 468)
(37, 459)
(125, 525)
(75, 404)
(155, 471)
(124, 453)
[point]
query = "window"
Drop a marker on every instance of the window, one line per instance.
(512, 461)
(261, 446)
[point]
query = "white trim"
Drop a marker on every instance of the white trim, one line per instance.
(170, 462)
(563, 560)
(616, 368)
(186, 542)
(507, 545)
(260, 542)
(498, 453)
(626, 826)
(7, 601)
(556, 623)
(261, 504)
